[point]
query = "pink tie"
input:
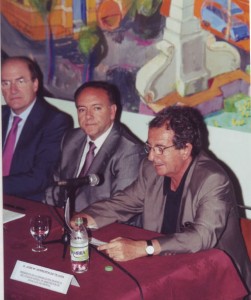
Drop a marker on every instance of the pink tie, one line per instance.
(88, 159)
(9, 146)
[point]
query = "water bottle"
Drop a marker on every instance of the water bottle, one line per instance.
(79, 248)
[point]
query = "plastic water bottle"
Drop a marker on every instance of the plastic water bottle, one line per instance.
(79, 248)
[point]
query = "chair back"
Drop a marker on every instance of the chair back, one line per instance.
(246, 232)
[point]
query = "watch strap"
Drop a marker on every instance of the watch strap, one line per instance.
(149, 244)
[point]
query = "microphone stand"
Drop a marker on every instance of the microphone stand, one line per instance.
(68, 201)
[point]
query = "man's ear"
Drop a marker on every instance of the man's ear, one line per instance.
(113, 111)
(186, 152)
(35, 85)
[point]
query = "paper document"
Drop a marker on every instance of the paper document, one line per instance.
(67, 214)
(96, 242)
(9, 215)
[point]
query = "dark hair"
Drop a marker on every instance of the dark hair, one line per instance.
(111, 90)
(187, 124)
(33, 67)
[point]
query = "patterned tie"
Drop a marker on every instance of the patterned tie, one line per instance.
(9, 146)
(88, 159)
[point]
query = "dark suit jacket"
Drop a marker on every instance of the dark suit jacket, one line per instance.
(117, 161)
(207, 218)
(37, 151)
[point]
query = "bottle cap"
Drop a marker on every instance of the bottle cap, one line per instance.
(108, 268)
(78, 221)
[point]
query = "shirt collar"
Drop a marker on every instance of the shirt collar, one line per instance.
(24, 115)
(167, 180)
(100, 140)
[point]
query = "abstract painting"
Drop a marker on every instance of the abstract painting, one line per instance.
(158, 53)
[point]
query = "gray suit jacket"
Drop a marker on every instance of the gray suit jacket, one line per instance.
(207, 218)
(117, 161)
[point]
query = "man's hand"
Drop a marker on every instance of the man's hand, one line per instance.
(123, 249)
(90, 221)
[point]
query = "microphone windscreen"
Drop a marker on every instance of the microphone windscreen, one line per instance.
(94, 179)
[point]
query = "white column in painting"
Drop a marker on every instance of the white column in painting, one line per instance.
(188, 57)
(184, 31)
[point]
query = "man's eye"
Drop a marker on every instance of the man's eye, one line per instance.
(81, 110)
(97, 108)
(5, 83)
(21, 80)
(160, 149)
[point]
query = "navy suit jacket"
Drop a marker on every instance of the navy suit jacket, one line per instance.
(117, 161)
(37, 151)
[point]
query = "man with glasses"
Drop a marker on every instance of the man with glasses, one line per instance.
(115, 153)
(181, 191)
(32, 130)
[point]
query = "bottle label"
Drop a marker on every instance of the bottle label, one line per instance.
(79, 253)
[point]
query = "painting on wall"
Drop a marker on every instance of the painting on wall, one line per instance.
(158, 53)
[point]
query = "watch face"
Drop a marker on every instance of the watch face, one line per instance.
(149, 250)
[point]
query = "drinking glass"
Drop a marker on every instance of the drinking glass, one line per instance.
(39, 229)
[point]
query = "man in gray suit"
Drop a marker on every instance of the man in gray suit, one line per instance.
(181, 191)
(117, 153)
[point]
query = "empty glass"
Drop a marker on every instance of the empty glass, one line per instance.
(39, 229)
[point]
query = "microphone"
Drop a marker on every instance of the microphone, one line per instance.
(92, 180)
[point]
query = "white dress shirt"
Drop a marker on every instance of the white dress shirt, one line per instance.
(98, 143)
(24, 115)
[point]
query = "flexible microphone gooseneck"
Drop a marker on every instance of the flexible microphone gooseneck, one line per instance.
(91, 179)
(70, 185)
(121, 268)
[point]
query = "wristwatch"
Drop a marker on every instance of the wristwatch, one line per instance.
(149, 248)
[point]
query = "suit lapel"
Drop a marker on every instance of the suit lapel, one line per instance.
(31, 125)
(185, 204)
(5, 120)
(106, 151)
(77, 153)
(30, 131)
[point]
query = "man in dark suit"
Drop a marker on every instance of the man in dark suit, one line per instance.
(36, 147)
(117, 154)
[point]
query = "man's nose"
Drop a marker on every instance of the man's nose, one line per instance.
(151, 154)
(89, 114)
(13, 87)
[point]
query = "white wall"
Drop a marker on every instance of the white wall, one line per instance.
(231, 147)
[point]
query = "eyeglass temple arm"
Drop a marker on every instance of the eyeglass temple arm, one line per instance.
(244, 207)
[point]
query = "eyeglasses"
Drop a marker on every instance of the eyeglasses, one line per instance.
(19, 83)
(159, 150)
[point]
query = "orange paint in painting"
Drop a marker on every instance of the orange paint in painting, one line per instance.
(26, 19)
(111, 13)
(165, 8)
